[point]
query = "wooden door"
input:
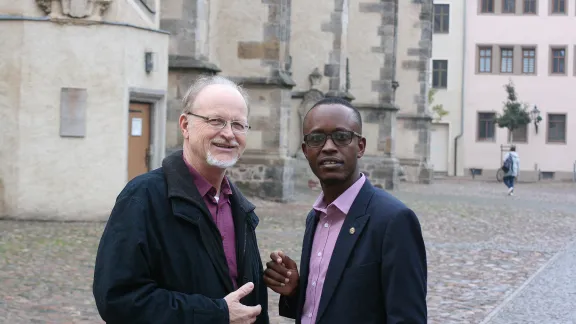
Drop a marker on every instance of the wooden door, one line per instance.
(138, 139)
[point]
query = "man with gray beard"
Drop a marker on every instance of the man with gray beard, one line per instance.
(180, 243)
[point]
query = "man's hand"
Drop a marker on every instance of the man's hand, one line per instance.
(241, 314)
(281, 274)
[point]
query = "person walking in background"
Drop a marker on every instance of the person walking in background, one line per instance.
(511, 165)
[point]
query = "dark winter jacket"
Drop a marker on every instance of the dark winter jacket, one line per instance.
(161, 259)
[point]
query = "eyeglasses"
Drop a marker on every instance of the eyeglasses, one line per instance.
(219, 123)
(339, 138)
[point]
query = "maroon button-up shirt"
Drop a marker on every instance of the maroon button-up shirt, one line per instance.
(221, 211)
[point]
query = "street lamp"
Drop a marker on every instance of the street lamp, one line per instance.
(535, 114)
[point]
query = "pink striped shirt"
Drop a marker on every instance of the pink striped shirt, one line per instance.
(329, 225)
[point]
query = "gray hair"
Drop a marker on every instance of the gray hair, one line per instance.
(203, 82)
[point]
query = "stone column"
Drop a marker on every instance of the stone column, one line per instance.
(335, 69)
(415, 118)
(373, 82)
(189, 56)
(262, 65)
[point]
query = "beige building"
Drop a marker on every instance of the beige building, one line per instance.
(70, 74)
(90, 90)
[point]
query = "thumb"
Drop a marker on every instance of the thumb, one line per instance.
(243, 291)
(290, 264)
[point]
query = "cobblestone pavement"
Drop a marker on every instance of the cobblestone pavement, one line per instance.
(482, 245)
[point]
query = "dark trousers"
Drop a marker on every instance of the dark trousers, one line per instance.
(509, 181)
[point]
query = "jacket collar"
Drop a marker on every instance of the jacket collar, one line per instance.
(180, 184)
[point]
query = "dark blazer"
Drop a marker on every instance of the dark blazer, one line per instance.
(161, 258)
(377, 274)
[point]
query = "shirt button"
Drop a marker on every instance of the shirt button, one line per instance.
(314, 284)
(319, 253)
(310, 315)
(325, 224)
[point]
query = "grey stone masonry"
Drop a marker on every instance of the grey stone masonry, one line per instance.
(277, 30)
(271, 178)
(384, 167)
(183, 31)
(333, 69)
(274, 49)
(419, 56)
(388, 33)
(425, 53)
(269, 173)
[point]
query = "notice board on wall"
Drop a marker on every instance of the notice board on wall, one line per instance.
(73, 103)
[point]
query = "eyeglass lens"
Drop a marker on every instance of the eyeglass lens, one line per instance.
(340, 138)
(236, 126)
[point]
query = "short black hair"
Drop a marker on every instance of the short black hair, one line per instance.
(513, 148)
(338, 101)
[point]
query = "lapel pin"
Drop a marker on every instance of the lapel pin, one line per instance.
(352, 230)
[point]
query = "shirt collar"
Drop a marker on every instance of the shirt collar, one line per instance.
(204, 187)
(344, 201)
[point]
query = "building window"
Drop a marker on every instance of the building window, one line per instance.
(486, 126)
(485, 60)
(529, 60)
(558, 6)
(487, 6)
(559, 61)
(506, 60)
(440, 74)
(557, 128)
(520, 135)
(509, 6)
(441, 18)
(529, 6)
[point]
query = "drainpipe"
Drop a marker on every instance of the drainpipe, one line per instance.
(462, 103)
(394, 52)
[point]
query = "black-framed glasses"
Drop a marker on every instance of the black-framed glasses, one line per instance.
(339, 138)
(220, 123)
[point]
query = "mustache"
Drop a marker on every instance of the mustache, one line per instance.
(224, 142)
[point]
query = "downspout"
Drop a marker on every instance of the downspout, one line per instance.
(462, 99)
(394, 54)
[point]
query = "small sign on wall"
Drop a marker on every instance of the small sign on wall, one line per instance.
(136, 128)
(73, 103)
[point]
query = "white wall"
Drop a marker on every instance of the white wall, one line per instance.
(450, 47)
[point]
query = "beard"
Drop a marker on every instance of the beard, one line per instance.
(222, 164)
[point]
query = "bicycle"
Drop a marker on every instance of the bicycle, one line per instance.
(500, 175)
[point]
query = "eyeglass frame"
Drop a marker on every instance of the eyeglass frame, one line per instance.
(330, 136)
(226, 122)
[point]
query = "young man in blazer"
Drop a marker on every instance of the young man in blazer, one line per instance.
(363, 255)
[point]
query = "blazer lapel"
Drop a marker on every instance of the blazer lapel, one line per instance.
(356, 220)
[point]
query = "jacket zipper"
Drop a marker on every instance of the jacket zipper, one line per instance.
(245, 277)
(245, 237)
